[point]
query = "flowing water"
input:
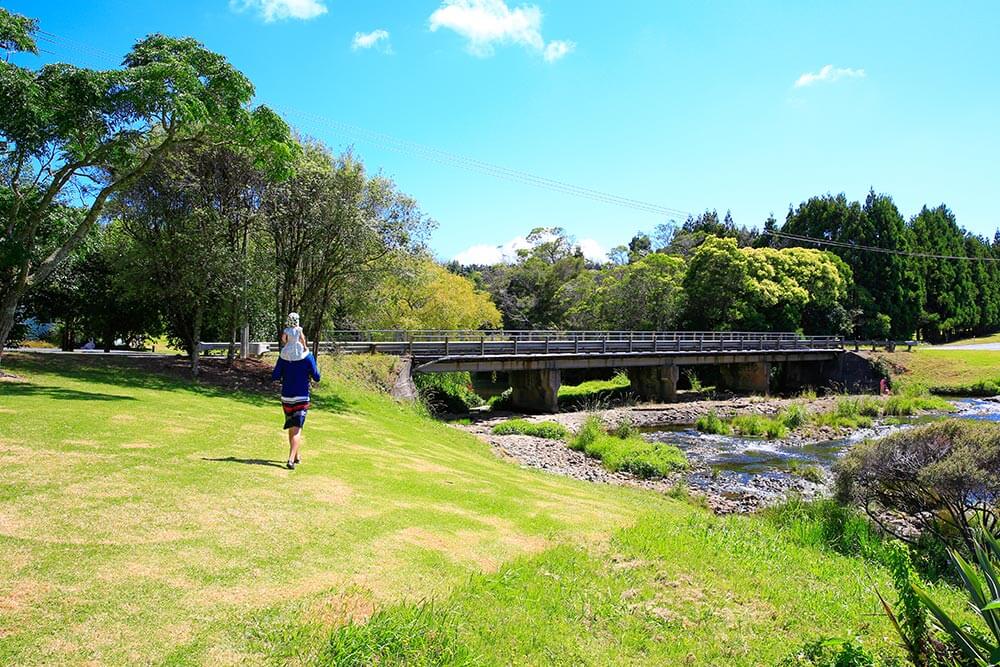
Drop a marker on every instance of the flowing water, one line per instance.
(756, 470)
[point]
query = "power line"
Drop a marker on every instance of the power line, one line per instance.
(889, 251)
(422, 151)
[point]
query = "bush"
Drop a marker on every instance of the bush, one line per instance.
(501, 401)
(940, 476)
(710, 423)
(631, 454)
(447, 392)
(965, 645)
(548, 429)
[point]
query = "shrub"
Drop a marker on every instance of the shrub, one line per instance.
(547, 429)
(447, 392)
(501, 401)
(710, 423)
(631, 454)
(939, 476)
(980, 581)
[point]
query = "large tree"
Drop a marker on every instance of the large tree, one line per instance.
(887, 288)
(951, 304)
(334, 228)
(77, 136)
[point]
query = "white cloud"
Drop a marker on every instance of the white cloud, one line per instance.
(488, 254)
(593, 251)
(828, 73)
(375, 38)
(278, 10)
(485, 23)
(507, 252)
(556, 49)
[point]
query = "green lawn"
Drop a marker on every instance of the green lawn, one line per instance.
(947, 369)
(992, 338)
(144, 520)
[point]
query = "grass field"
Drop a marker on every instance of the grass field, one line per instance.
(944, 370)
(146, 520)
(992, 338)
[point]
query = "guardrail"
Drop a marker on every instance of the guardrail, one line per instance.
(441, 344)
(888, 345)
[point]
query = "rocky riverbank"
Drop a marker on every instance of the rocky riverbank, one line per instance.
(732, 474)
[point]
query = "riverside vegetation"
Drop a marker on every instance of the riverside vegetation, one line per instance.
(850, 412)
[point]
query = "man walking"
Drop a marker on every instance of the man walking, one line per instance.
(295, 376)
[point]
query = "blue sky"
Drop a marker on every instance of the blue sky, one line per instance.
(748, 106)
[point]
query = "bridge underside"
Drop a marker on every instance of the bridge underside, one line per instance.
(535, 380)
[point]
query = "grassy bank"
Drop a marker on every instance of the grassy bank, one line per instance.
(955, 372)
(147, 520)
(141, 518)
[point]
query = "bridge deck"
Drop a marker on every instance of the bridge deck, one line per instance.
(526, 350)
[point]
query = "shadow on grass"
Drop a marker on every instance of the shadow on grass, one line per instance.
(61, 393)
(154, 373)
(248, 462)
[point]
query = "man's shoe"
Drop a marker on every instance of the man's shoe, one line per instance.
(290, 465)
(298, 459)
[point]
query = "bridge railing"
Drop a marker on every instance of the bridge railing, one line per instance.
(452, 343)
(454, 335)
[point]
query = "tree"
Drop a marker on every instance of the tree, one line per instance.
(950, 305)
(89, 295)
(175, 217)
(334, 231)
(527, 291)
(716, 285)
(644, 295)
(85, 135)
(425, 295)
(792, 289)
(887, 286)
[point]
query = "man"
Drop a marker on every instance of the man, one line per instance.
(295, 376)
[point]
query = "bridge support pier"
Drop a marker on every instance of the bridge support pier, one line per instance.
(535, 391)
(753, 378)
(655, 383)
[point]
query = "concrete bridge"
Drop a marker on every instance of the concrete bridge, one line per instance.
(534, 360)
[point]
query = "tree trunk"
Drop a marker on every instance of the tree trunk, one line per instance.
(196, 341)
(67, 335)
(8, 312)
(109, 338)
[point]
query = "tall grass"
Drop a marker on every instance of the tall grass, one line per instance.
(629, 454)
(548, 429)
(711, 423)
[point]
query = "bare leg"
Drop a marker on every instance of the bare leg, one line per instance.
(294, 440)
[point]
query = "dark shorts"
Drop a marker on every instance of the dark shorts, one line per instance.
(295, 415)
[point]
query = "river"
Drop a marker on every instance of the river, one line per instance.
(750, 472)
